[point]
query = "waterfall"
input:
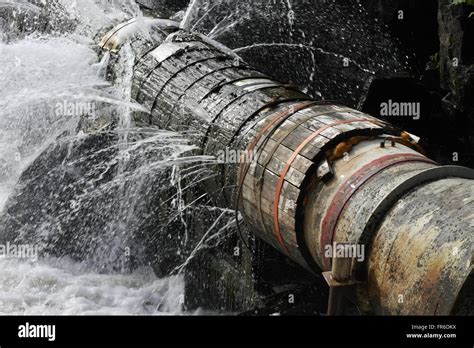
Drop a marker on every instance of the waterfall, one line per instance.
(54, 98)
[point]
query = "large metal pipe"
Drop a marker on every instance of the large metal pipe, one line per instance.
(317, 173)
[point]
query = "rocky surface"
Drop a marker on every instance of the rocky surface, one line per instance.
(18, 19)
(440, 35)
(327, 48)
(456, 56)
(413, 22)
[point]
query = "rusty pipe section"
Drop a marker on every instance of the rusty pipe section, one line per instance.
(312, 174)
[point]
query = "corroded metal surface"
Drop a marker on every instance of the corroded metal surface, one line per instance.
(421, 254)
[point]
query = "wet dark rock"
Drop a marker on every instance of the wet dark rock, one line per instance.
(296, 299)
(446, 125)
(86, 199)
(401, 88)
(259, 281)
(456, 57)
(18, 19)
(413, 22)
(456, 64)
(326, 48)
(163, 8)
(465, 303)
(386, 10)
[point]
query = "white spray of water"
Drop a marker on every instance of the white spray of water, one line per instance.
(63, 287)
(38, 74)
(291, 16)
(305, 47)
(190, 14)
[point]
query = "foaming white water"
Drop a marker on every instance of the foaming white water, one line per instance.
(63, 287)
(37, 74)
